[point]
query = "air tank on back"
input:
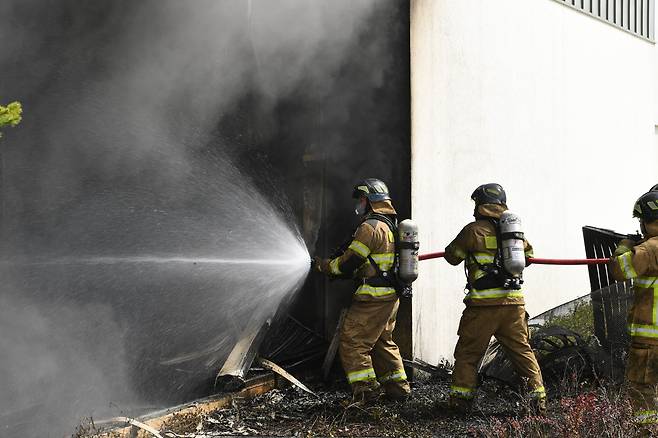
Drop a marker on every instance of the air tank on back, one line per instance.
(512, 243)
(409, 244)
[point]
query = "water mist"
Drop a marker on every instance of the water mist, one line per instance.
(135, 247)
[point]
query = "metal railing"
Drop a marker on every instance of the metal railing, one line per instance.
(610, 299)
(637, 17)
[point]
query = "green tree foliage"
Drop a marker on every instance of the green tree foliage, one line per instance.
(10, 115)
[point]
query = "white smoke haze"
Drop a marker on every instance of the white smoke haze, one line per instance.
(120, 155)
(46, 362)
(170, 70)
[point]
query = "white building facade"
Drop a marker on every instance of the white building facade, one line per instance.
(555, 100)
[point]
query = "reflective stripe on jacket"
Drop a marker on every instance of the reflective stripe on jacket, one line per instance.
(372, 239)
(640, 264)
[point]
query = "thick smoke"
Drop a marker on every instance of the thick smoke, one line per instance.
(47, 363)
(136, 143)
(127, 88)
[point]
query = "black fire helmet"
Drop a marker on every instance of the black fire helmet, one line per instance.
(646, 207)
(489, 194)
(373, 189)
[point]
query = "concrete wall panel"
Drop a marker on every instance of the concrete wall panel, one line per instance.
(556, 106)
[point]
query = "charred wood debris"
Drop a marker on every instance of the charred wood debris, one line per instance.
(321, 405)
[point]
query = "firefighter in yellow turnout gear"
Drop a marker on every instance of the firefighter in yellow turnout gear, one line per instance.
(370, 358)
(639, 261)
(492, 309)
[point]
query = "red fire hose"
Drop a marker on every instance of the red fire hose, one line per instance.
(431, 255)
(569, 261)
(436, 255)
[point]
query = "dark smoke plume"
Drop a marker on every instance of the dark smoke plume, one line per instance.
(168, 128)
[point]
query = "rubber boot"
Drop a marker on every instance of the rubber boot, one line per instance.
(397, 391)
(461, 405)
(365, 393)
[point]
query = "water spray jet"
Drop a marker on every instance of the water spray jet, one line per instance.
(160, 260)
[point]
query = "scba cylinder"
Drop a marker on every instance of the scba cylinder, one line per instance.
(512, 243)
(409, 244)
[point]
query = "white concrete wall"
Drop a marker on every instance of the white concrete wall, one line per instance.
(556, 106)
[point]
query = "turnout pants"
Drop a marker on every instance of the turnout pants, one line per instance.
(508, 324)
(367, 350)
(642, 381)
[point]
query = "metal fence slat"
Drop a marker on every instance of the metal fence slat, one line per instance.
(634, 16)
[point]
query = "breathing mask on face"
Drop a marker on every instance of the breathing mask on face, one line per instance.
(360, 208)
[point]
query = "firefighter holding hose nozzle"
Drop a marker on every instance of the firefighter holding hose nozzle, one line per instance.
(370, 358)
(494, 252)
(639, 261)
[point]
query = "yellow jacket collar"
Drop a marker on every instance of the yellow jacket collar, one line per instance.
(383, 207)
(490, 210)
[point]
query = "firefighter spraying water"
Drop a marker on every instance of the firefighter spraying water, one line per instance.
(382, 258)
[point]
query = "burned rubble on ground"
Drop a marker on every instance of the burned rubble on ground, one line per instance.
(291, 412)
(578, 372)
(580, 347)
(499, 407)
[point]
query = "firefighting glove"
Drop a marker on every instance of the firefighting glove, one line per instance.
(321, 265)
(624, 246)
